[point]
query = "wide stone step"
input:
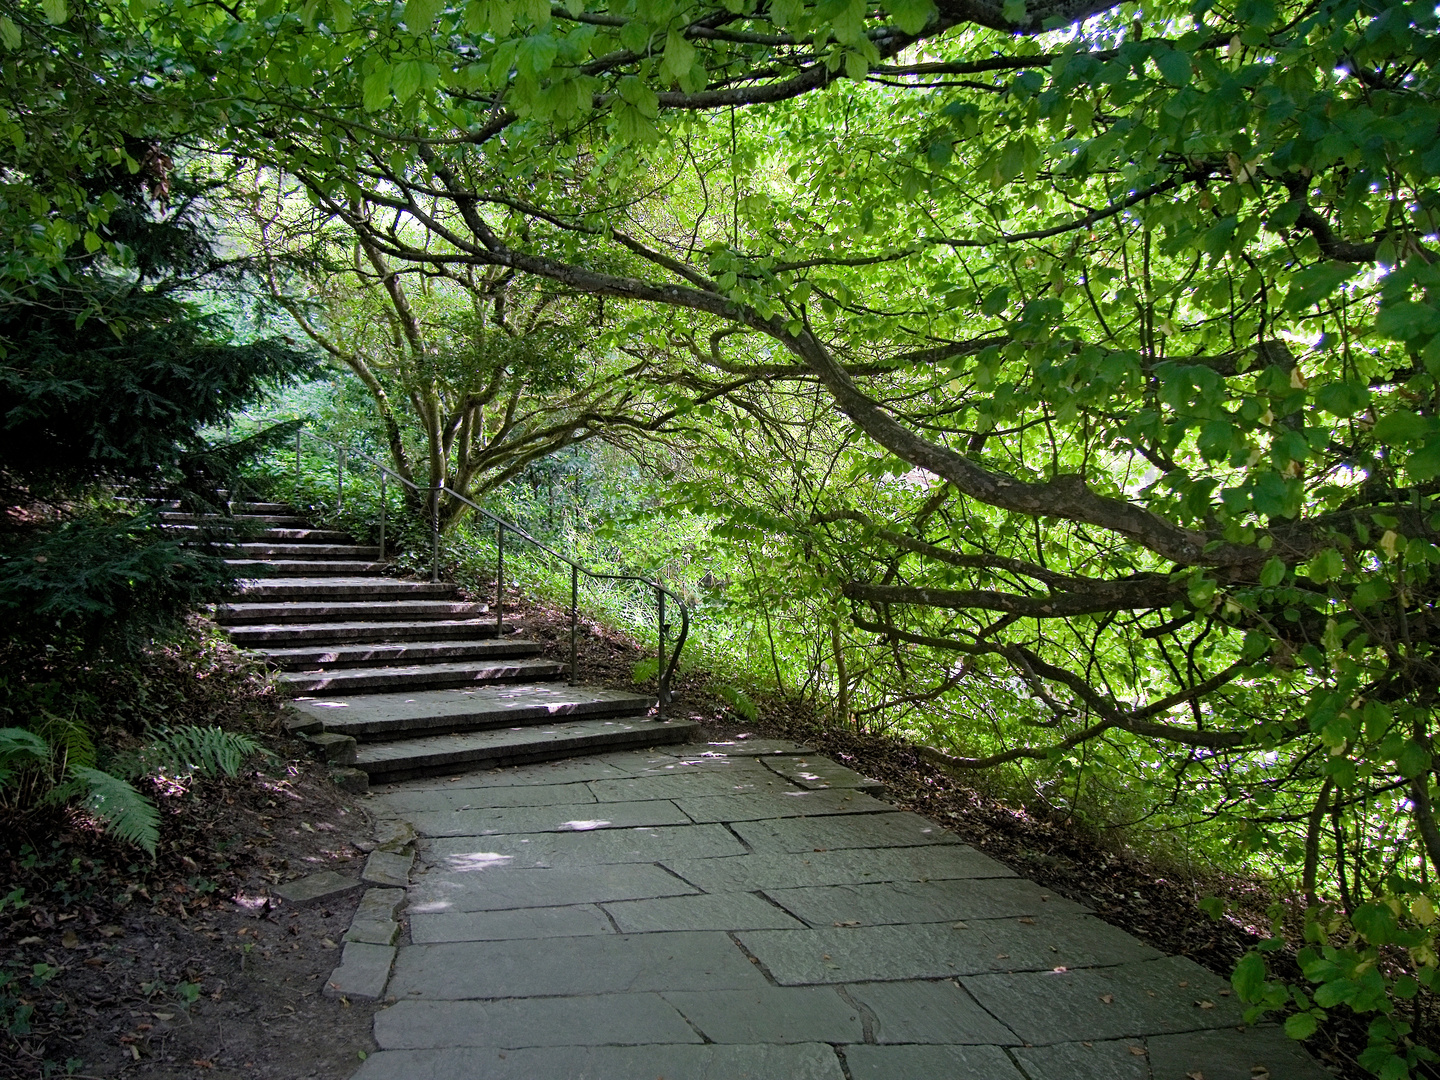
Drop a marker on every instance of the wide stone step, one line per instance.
(262, 508)
(340, 633)
(373, 680)
(335, 657)
(287, 521)
(303, 567)
(398, 716)
(311, 611)
(344, 588)
(302, 551)
(264, 535)
(437, 754)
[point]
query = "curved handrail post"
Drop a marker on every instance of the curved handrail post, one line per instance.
(574, 619)
(662, 679)
(435, 531)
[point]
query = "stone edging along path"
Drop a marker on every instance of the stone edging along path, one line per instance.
(748, 910)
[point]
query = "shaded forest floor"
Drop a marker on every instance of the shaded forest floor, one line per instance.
(117, 965)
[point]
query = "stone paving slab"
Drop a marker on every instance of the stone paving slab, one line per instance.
(543, 774)
(920, 902)
(1154, 998)
(364, 968)
(735, 777)
(314, 888)
(1126, 1059)
(740, 748)
(930, 1063)
(708, 911)
(779, 803)
(880, 830)
(586, 965)
(589, 848)
(496, 889)
(929, 1012)
(750, 872)
(539, 922)
(771, 1015)
(570, 817)
(814, 772)
(1229, 1055)
(601, 1020)
(390, 868)
(436, 800)
(939, 950)
(375, 919)
(808, 1062)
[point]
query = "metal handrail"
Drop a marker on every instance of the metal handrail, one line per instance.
(666, 670)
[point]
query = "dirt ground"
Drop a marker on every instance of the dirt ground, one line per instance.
(188, 966)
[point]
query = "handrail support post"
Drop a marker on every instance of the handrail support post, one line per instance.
(661, 676)
(435, 534)
(382, 515)
(574, 618)
(499, 580)
(339, 479)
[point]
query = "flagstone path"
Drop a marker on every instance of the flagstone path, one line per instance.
(745, 911)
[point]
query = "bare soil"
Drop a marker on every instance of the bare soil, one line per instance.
(187, 966)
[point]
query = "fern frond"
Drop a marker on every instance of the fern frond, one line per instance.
(17, 744)
(69, 739)
(193, 750)
(128, 815)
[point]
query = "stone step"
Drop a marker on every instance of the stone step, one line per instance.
(344, 588)
(266, 535)
(262, 508)
(312, 611)
(303, 568)
(374, 680)
(334, 657)
(437, 754)
(377, 717)
(289, 521)
(302, 551)
(341, 633)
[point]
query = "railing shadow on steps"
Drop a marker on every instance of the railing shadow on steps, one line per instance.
(667, 662)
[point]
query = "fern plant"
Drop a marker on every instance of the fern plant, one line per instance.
(188, 751)
(128, 815)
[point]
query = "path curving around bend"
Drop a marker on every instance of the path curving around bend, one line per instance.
(748, 911)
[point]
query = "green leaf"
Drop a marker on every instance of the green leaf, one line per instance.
(1014, 12)
(1174, 66)
(1413, 759)
(1249, 977)
(9, 33)
(56, 12)
(911, 16)
(1343, 399)
(1273, 572)
(1313, 285)
(375, 89)
(1402, 427)
(1301, 1026)
(405, 79)
(1325, 566)
(420, 15)
(679, 55)
(1407, 320)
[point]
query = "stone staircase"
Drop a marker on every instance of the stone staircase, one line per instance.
(396, 678)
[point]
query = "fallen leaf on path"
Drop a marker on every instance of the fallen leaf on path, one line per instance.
(70, 939)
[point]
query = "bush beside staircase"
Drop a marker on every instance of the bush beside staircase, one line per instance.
(398, 678)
